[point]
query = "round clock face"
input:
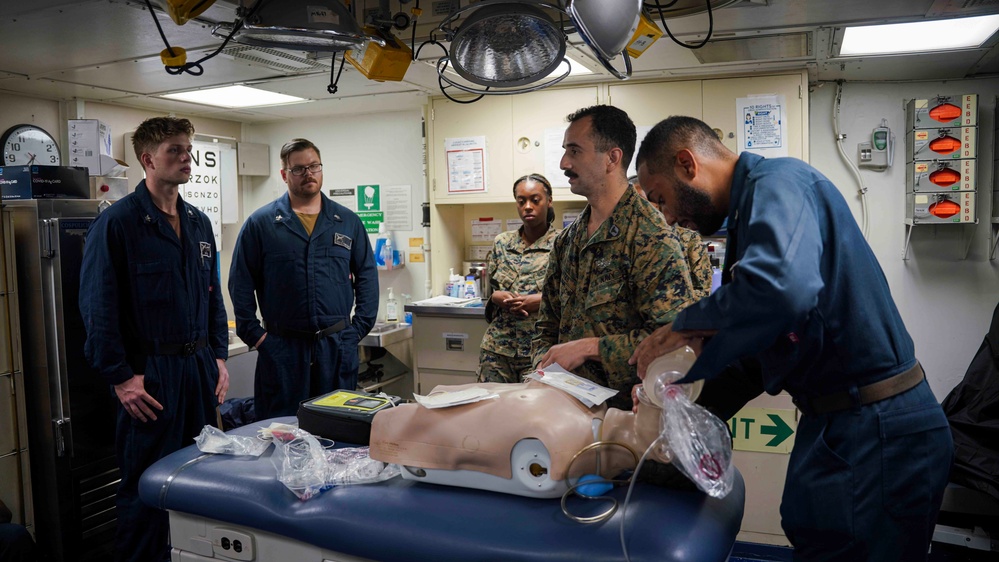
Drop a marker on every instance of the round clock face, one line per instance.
(26, 145)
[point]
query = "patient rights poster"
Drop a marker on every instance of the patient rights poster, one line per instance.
(762, 125)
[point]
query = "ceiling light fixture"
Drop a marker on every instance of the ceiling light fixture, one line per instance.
(918, 37)
(303, 25)
(606, 27)
(234, 96)
(516, 46)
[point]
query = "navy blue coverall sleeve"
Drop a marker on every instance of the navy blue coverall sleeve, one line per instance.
(243, 282)
(776, 280)
(362, 268)
(218, 321)
(101, 294)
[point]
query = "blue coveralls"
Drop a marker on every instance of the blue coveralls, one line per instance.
(803, 286)
(143, 292)
(303, 284)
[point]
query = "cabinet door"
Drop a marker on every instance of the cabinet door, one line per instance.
(648, 104)
(489, 117)
(533, 115)
(720, 109)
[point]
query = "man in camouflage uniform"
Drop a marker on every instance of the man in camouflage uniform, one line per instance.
(618, 272)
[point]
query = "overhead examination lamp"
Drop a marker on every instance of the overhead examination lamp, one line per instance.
(607, 28)
(303, 25)
(503, 47)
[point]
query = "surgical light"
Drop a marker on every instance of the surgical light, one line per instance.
(507, 45)
(607, 27)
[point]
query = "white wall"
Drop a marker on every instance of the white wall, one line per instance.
(383, 149)
(946, 300)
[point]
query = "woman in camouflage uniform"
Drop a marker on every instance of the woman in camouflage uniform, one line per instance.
(517, 266)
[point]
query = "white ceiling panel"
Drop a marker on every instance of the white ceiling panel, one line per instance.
(148, 76)
(90, 33)
(55, 90)
(890, 68)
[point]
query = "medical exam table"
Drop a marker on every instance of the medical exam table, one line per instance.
(234, 508)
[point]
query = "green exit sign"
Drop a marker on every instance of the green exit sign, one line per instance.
(765, 430)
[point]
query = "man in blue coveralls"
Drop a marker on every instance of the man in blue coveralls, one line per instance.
(805, 307)
(304, 258)
(156, 324)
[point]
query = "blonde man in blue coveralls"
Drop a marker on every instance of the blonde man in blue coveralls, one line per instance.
(156, 325)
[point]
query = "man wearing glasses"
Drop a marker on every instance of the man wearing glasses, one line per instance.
(306, 260)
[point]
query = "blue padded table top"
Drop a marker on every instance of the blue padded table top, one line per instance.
(402, 520)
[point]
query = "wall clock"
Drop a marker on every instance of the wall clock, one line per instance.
(26, 145)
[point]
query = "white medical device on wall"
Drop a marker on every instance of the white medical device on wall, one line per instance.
(878, 153)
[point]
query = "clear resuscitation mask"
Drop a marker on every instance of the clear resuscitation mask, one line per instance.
(664, 371)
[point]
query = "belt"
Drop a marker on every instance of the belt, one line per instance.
(305, 334)
(866, 394)
(156, 348)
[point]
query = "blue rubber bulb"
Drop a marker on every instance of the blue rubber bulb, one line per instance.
(599, 487)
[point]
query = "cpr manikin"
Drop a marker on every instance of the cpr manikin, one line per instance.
(523, 441)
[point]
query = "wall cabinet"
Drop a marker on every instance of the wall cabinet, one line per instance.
(514, 128)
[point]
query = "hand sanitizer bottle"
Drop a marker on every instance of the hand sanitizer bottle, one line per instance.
(391, 308)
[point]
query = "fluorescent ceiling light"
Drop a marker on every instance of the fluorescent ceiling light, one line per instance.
(575, 68)
(234, 96)
(916, 37)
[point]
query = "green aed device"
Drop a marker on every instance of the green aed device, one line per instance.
(343, 415)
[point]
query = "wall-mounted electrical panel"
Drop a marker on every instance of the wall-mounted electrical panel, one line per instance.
(941, 175)
(941, 208)
(941, 152)
(942, 111)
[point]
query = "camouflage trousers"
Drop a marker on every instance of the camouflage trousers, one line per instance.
(494, 367)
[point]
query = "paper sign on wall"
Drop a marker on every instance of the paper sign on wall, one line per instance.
(486, 230)
(762, 125)
(466, 164)
(397, 203)
(345, 197)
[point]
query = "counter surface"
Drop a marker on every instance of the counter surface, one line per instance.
(448, 311)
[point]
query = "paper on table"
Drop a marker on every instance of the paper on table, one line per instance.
(444, 300)
(455, 398)
(584, 390)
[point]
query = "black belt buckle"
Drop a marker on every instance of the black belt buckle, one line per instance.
(189, 348)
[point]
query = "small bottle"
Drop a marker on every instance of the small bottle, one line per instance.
(450, 283)
(407, 315)
(470, 287)
(391, 308)
(387, 256)
(457, 285)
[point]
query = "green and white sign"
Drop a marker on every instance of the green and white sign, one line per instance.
(369, 198)
(371, 220)
(765, 430)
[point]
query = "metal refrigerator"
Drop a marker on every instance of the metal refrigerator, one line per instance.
(70, 409)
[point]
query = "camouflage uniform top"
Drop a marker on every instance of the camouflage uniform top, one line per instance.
(627, 280)
(697, 260)
(516, 267)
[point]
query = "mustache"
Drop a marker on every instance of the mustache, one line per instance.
(569, 174)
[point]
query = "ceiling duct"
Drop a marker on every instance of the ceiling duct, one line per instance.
(275, 59)
(758, 48)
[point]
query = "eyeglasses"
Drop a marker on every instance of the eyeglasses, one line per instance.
(300, 170)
